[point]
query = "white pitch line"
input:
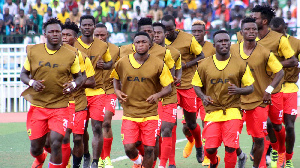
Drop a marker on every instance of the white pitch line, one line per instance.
(125, 157)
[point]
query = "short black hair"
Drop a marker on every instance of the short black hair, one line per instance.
(247, 20)
(144, 21)
(277, 21)
(101, 25)
(87, 17)
(71, 25)
(52, 21)
(219, 32)
(266, 11)
(142, 34)
(168, 18)
(160, 25)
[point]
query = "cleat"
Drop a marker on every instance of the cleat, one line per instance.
(289, 164)
(107, 163)
(100, 163)
(86, 162)
(37, 164)
(200, 154)
(215, 165)
(281, 160)
(94, 165)
(206, 161)
(172, 166)
(188, 149)
(242, 162)
(274, 159)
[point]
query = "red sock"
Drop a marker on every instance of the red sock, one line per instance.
(47, 149)
(212, 157)
(52, 165)
(263, 157)
(197, 135)
(140, 148)
(107, 146)
(66, 153)
(154, 164)
(275, 145)
(41, 158)
(230, 159)
(172, 154)
(281, 139)
(166, 147)
(289, 156)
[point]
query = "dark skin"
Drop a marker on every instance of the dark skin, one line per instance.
(142, 44)
(222, 45)
(263, 30)
(289, 119)
(53, 36)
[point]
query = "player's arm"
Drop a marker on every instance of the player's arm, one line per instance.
(286, 50)
(197, 84)
(196, 49)
(178, 72)
(122, 97)
(247, 81)
(165, 80)
(105, 62)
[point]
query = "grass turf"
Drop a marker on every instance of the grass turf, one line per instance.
(14, 147)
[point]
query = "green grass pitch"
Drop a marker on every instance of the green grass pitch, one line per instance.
(14, 147)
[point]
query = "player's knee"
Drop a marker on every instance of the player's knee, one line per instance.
(211, 150)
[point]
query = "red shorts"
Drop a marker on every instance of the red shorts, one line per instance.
(131, 131)
(217, 132)
(41, 120)
(167, 112)
(187, 99)
(71, 115)
(201, 108)
(256, 121)
(290, 103)
(79, 122)
(276, 109)
(110, 103)
(96, 107)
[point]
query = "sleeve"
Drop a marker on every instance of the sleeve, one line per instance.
(81, 61)
(273, 64)
(168, 59)
(165, 76)
(106, 57)
(285, 48)
(178, 63)
(75, 68)
(27, 64)
(114, 74)
(195, 47)
(197, 80)
(247, 78)
(89, 68)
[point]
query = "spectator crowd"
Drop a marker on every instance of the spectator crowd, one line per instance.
(25, 18)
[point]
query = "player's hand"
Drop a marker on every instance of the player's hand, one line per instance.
(122, 97)
(206, 100)
(68, 88)
(38, 85)
(267, 98)
(100, 64)
(233, 89)
(153, 99)
(177, 81)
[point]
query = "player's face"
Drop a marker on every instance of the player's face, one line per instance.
(258, 19)
(142, 44)
(249, 31)
(148, 29)
(170, 29)
(68, 36)
(159, 35)
(199, 32)
(87, 27)
(53, 34)
(101, 33)
(222, 43)
(279, 29)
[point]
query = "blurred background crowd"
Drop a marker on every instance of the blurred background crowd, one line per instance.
(24, 18)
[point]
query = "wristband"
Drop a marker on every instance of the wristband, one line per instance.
(31, 82)
(269, 89)
(74, 84)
